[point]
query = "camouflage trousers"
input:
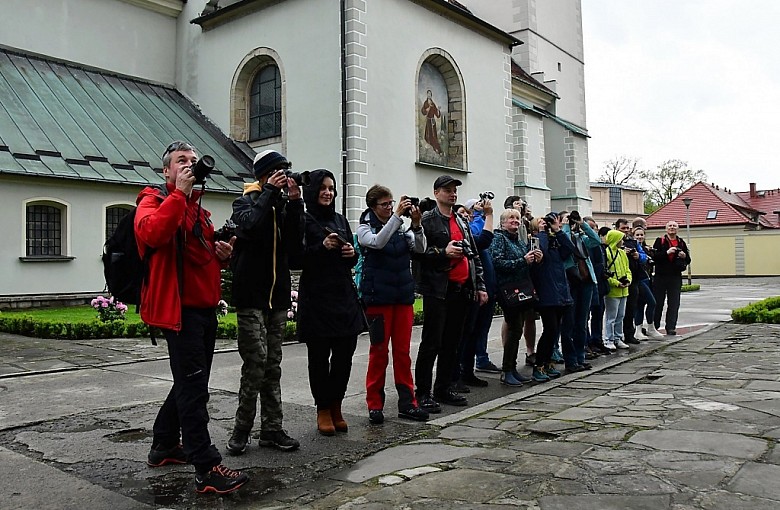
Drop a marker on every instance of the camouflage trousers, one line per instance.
(260, 346)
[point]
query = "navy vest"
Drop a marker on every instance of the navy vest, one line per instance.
(387, 276)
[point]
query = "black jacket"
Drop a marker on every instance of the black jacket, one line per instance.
(327, 300)
(664, 266)
(268, 230)
(432, 268)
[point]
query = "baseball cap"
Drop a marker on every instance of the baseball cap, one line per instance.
(445, 180)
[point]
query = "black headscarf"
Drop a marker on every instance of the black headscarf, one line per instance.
(312, 191)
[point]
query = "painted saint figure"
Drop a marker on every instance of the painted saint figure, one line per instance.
(431, 112)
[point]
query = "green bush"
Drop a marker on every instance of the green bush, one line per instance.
(691, 288)
(767, 311)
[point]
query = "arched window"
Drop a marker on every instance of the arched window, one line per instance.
(114, 214)
(441, 111)
(45, 226)
(265, 104)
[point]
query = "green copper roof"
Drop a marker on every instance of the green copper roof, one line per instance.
(64, 121)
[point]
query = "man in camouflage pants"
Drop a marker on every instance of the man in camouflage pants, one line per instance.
(269, 229)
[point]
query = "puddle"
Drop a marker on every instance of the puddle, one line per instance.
(129, 436)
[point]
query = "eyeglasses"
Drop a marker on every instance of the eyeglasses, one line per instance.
(389, 203)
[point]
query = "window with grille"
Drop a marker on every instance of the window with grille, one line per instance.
(615, 200)
(265, 104)
(114, 214)
(44, 230)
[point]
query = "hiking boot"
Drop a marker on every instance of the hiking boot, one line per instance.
(414, 413)
(220, 479)
(551, 372)
(539, 375)
(238, 441)
(279, 440)
(508, 379)
(427, 403)
(376, 416)
(488, 368)
(556, 357)
(163, 456)
(473, 380)
(520, 377)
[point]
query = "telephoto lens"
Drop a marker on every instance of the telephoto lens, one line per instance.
(202, 169)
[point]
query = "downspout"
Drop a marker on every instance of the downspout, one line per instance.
(343, 21)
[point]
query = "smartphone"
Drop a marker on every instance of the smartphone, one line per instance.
(534, 243)
(339, 237)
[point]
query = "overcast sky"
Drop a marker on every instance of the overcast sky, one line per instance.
(696, 80)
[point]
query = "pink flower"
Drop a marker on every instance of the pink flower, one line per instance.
(290, 314)
(104, 304)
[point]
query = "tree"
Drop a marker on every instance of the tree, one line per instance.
(620, 170)
(668, 180)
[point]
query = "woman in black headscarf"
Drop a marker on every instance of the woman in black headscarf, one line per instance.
(329, 315)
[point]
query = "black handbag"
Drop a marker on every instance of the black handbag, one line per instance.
(517, 295)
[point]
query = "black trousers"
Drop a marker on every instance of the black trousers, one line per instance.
(330, 364)
(629, 328)
(667, 286)
(552, 316)
(442, 330)
(184, 413)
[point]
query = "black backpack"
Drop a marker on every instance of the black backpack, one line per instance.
(124, 270)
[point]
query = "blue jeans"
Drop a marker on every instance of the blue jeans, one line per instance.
(597, 318)
(574, 328)
(615, 312)
(645, 299)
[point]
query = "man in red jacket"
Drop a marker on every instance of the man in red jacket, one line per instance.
(180, 295)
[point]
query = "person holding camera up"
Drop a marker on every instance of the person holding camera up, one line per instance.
(269, 228)
(329, 314)
(449, 275)
(671, 258)
(176, 237)
(636, 259)
(618, 273)
(387, 289)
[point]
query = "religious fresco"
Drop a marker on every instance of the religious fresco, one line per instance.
(433, 136)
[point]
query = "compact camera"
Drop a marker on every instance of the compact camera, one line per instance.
(415, 202)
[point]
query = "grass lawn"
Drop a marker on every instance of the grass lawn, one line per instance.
(83, 314)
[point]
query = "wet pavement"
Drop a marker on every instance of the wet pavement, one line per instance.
(689, 422)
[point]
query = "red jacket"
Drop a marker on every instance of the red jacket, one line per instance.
(157, 220)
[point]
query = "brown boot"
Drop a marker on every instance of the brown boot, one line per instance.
(338, 420)
(325, 422)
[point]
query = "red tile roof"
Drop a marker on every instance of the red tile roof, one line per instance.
(713, 205)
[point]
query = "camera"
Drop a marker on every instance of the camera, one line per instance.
(427, 204)
(630, 251)
(202, 168)
(624, 280)
(466, 247)
(574, 218)
(486, 195)
(415, 202)
(226, 233)
(300, 178)
(548, 219)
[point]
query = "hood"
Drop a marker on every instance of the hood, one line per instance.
(249, 187)
(613, 238)
(312, 191)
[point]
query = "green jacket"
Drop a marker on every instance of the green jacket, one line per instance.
(617, 264)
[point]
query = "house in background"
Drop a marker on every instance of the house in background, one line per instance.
(614, 201)
(87, 105)
(732, 233)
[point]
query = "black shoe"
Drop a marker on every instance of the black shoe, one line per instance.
(461, 387)
(376, 416)
(488, 368)
(220, 479)
(238, 441)
(574, 369)
(586, 365)
(451, 398)
(164, 456)
(414, 413)
(473, 380)
(603, 350)
(530, 360)
(633, 341)
(278, 439)
(591, 354)
(671, 332)
(427, 403)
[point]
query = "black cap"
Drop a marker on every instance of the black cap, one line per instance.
(268, 160)
(445, 180)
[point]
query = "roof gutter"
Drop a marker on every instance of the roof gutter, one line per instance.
(343, 62)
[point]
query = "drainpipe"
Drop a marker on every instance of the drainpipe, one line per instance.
(343, 21)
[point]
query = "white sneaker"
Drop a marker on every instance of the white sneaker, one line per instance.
(620, 344)
(609, 345)
(653, 333)
(639, 332)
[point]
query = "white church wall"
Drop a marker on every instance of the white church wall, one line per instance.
(140, 43)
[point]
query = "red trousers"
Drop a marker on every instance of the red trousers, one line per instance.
(398, 330)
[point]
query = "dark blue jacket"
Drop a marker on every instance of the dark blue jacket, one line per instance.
(549, 276)
(387, 276)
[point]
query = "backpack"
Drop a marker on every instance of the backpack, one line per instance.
(124, 270)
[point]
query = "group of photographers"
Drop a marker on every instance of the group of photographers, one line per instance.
(557, 267)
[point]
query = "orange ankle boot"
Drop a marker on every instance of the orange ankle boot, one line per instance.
(325, 422)
(338, 420)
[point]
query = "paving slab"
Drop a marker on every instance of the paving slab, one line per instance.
(605, 502)
(713, 443)
(759, 480)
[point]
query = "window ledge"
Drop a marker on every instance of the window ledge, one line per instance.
(442, 167)
(262, 142)
(47, 258)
